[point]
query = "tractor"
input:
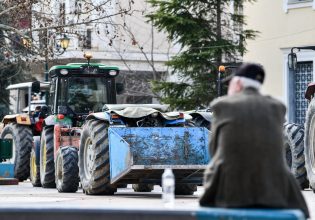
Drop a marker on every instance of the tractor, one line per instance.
(302, 141)
(76, 89)
(20, 126)
(6, 167)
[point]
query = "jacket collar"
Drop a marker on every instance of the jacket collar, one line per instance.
(251, 90)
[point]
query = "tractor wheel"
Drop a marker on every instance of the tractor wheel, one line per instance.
(47, 164)
(309, 147)
(67, 169)
(294, 151)
(94, 159)
(22, 139)
(185, 189)
(34, 173)
(142, 187)
(199, 121)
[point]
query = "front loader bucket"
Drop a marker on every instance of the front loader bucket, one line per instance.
(140, 155)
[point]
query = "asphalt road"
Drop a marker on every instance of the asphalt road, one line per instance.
(24, 196)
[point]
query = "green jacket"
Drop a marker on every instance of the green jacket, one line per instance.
(248, 168)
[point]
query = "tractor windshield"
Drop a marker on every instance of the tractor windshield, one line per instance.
(83, 94)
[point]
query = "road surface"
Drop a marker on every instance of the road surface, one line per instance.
(24, 196)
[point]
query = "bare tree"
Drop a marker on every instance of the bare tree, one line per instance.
(31, 28)
(136, 35)
(35, 28)
(30, 31)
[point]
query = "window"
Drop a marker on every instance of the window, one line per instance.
(291, 4)
(62, 13)
(298, 1)
(77, 7)
(51, 97)
(83, 94)
(42, 35)
(87, 44)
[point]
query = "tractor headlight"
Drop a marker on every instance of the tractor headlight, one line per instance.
(64, 72)
(112, 72)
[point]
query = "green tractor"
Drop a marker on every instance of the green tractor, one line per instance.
(76, 90)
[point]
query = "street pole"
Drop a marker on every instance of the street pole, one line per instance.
(219, 84)
(46, 57)
(46, 68)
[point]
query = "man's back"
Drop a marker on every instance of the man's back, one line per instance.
(248, 167)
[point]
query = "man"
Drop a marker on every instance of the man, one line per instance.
(248, 169)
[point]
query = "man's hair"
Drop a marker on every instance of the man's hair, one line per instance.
(246, 82)
(252, 71)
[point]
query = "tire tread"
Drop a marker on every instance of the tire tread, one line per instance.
(99, 184)
(23, 138)
(294, 148)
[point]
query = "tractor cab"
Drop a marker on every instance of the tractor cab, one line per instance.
(78, 89)
(25, 97)
(29, 105)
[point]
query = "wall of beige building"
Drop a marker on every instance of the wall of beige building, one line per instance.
(135, 43)
(280, 29)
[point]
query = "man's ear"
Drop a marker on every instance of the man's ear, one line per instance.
(239, 85)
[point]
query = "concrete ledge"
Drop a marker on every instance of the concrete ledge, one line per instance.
(122, 214)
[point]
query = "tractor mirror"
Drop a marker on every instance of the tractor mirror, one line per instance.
(119, 88)
(292, 61)
(36, 87)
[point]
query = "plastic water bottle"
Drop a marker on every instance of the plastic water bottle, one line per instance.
(168, 187)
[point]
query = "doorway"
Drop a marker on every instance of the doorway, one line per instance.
(303, 76)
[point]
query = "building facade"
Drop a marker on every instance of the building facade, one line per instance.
(283, 24)
(126, 41)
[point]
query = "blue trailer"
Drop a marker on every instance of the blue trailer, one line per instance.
(113, 152)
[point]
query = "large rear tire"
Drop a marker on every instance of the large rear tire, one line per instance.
(67, 170)
(94, 159)
(309, 147)
(294, 150)
(142, 187)
(34, 173)
(185, 189)
(22, 138)
(47, 164)
(34, 163)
